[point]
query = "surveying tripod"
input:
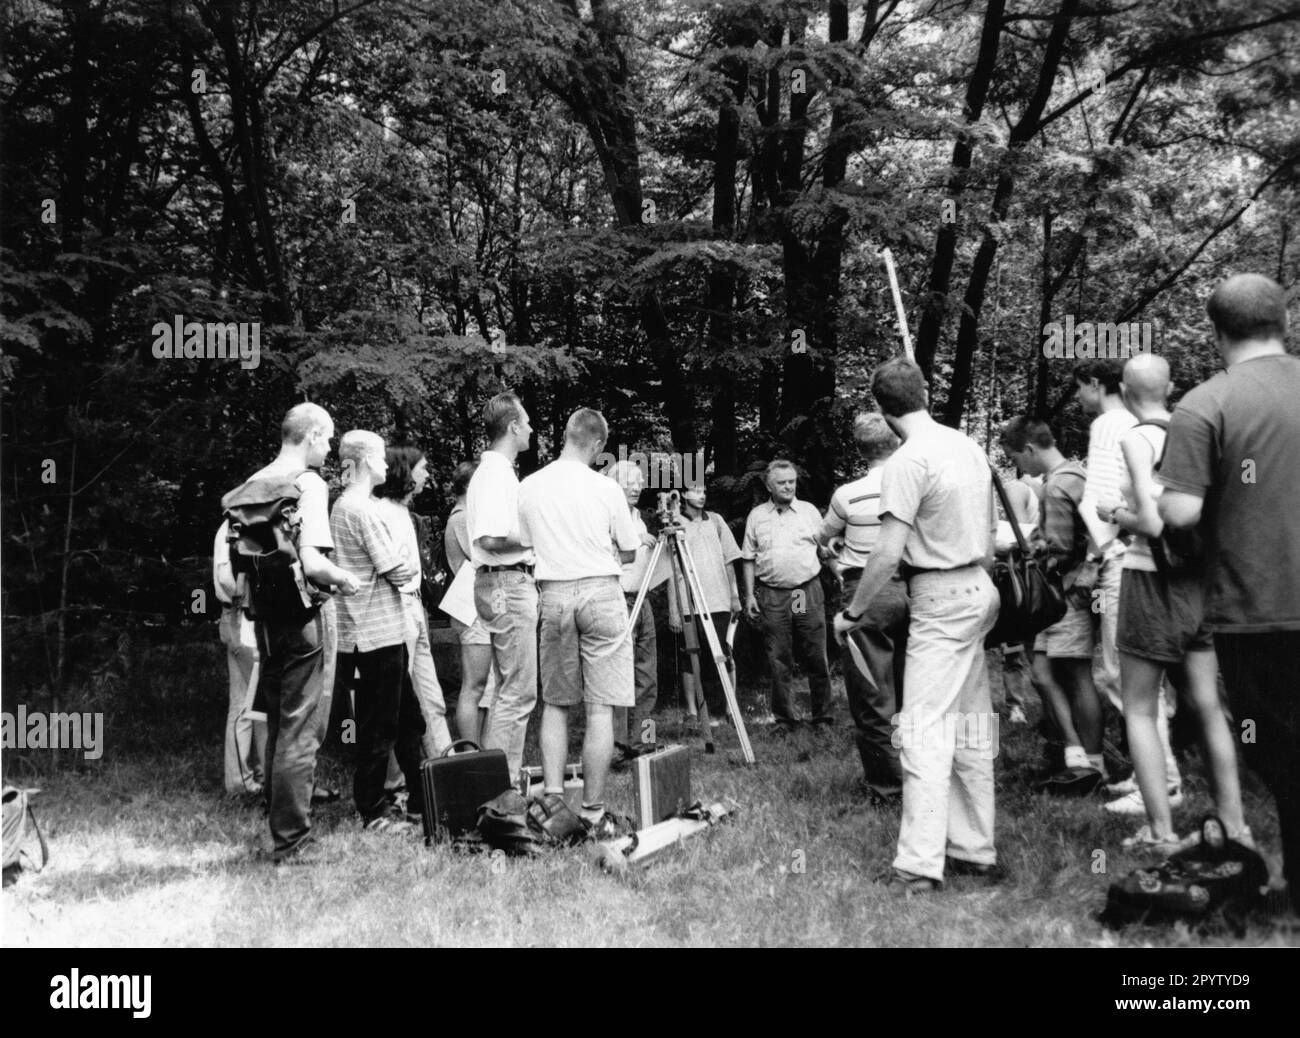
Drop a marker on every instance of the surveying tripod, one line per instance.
(672, 536)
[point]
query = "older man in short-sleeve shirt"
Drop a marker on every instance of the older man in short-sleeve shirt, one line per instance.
(1231, 466)
(783, 592)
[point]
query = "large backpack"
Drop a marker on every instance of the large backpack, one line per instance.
(263, 538)
(1174, 550)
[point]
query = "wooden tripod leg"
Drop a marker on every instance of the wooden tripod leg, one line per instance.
(696, 591)
(692, 640)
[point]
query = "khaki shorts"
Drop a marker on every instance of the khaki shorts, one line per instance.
(1073, 637)
(474, 634)
(582, 622)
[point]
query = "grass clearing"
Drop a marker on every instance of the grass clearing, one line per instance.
(147, 853)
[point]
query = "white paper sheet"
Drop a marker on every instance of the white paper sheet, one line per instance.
(458, 602)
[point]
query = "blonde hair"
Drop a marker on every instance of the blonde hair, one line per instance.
(355, 446)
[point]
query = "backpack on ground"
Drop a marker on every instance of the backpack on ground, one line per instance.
(514, 824)
(19, 826)
(1216, 879)
(1174, 550)
(264, 527)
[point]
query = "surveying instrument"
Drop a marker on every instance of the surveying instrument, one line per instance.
(684, 576)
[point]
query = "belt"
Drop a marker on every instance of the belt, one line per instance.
(522, 567)
(909, 572)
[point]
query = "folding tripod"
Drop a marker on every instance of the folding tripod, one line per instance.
(672, 535)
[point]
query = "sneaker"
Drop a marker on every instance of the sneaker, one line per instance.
(609, 826)
(1246, 838)
(1145, 840)
(389, 824)
(1132, 803)
(1119, 789)
(905, 884)
(304, 852)
(988, 874)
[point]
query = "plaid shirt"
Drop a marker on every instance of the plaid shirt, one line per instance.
(374, 617)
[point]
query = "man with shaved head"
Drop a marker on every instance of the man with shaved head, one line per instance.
(298, 657)
(1232, 467)
(1162, 623)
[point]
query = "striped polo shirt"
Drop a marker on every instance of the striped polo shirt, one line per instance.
(373, 618)
(854, 514)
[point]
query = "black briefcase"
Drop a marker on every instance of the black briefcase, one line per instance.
(456, 785)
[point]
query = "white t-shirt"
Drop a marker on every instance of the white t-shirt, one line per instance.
(1106, 471)
(492, 510)
(574, 518)
(397, 517)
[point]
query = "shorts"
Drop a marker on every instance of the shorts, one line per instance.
(583, 656)
(1162, 618)
(1070, 638)
(474, 634)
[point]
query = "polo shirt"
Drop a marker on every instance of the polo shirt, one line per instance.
(939, 483)
(1235, 441)
(492, 507)
(782, 542)
(575, 519)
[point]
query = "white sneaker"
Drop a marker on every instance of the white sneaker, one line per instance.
(1131, 803)
(1119, 789)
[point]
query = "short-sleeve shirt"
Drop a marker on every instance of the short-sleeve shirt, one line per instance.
(492, 507)
(782, 542)
(1235, 441)
(397, 517)
(854, 512)
(576, 520)
(1106, 471)
(313, 503)
(712, 549)
(373, 618)
(634, 571)
(455, 539)
(1059, 521)
(220, 558)
(939, 483)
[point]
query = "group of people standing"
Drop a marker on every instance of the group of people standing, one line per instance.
(559, 557)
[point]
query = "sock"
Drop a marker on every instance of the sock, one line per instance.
(592, 812)
(557, 790)
(1075, 757)
(1098, 761)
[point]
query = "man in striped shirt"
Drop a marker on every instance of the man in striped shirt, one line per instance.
(373, 635)
(852, 523)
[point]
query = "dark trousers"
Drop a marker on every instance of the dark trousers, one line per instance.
(1259, 671)
(874, 703)
(795, 618)
(389, 720)
(645, 647)
(292, 686)
(714, 697)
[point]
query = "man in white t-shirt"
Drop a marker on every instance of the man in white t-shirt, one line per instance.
(504, 595)
(578, 523)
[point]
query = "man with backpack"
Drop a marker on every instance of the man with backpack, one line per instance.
(373, 632)
(1063, 652)
(280, 520)
(1231, 466)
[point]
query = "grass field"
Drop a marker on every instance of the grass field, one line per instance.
(147, 852)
